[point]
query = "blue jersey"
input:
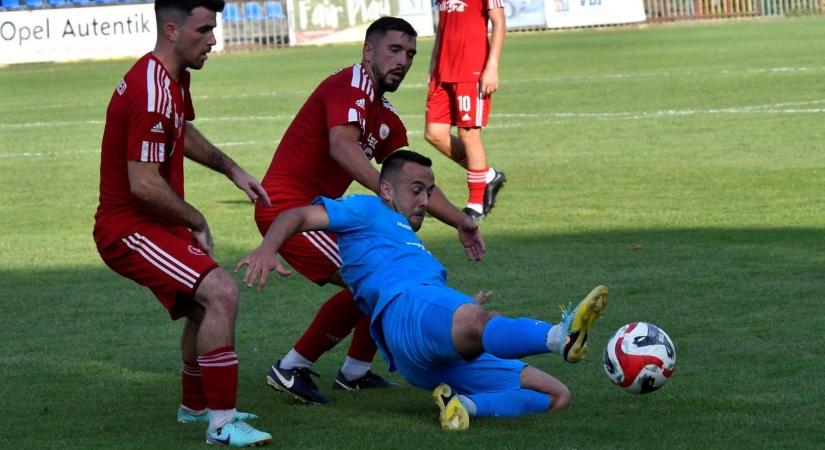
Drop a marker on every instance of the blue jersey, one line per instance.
(382, 255)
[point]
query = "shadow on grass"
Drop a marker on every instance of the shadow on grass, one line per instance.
(91, 357)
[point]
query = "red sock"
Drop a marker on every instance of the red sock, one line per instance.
(334, 321)
(219, 373)
(190, 379)
(476, 182)
(362, 347)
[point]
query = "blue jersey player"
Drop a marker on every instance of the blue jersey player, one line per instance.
(437, 337)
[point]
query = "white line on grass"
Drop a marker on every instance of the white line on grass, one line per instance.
(271, 144)
(772, 108)
(775, 108)
(603, 76)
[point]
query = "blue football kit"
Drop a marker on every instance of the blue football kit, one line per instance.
(403, 289)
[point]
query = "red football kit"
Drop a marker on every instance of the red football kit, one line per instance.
(454, 94)
(146, 122)
(302, 168)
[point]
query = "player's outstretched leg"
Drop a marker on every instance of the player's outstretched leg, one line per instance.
(452, 414)
(578, 321)
(237, 433)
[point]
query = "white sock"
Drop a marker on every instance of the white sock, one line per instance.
(491, 173)
(555, 337)
(354, 369)
(476, 207)
(469, 405)
(220, 417)
(193, 412)
(294, 359)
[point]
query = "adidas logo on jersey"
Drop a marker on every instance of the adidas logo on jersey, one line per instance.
(466, 117)
(360, 103)
(158, 128)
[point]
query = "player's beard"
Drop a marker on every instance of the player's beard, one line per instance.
(385, 84)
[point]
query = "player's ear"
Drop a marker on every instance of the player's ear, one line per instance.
(367, 52)
(170, 30)
(385, 190)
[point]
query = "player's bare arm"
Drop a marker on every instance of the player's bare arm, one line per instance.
(199, 149)
(489, 78)
(468, 232)
(146, 183)
(347, 152)
(264, 259)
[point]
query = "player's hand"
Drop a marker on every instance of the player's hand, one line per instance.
(470, 237)
(203, 238)
(258, 265)
(482, 296)
(249, 184)
(489, 81)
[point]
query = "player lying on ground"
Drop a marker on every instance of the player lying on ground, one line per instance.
(437, 337)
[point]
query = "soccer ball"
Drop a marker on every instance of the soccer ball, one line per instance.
(639, 358)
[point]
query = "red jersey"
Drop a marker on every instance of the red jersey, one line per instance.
(145, 121)
(302, 168)
(462, 34)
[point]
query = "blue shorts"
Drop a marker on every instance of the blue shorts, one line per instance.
(415, 329)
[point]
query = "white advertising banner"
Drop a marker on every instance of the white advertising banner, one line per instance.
(583, 13)
(314, 22)
(68, 34)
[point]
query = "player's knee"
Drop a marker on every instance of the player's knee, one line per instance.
(436, 138)
(220, 293)
(472, 319)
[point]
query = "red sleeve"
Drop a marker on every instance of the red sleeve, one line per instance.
(342, 106)
(493, 4)
(148, 132)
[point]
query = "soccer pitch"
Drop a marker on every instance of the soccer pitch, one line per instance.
(681, 165)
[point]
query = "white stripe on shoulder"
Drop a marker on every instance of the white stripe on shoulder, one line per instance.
(356, 76)
(150, 85)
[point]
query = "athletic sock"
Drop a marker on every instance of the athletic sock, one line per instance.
(491, 173)
(476, 182)
(334, 320)
(362, 347)
(510, 403)
(193, 398)
(220, 417)
(509, 338)
(469, 405)
(556, 337)
(219, 372)
(294, 359)
(354, 369)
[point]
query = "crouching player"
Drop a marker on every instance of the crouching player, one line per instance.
(437, 337)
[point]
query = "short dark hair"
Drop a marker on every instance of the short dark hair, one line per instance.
(387, 23)
(163, 8)
(392, 164)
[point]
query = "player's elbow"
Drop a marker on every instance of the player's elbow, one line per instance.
(560, 400)
(141, 188)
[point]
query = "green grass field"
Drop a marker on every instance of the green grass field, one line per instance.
(681, 165)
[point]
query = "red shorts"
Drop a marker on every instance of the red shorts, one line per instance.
(165, 261)
(459, 104)
(313, 254)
